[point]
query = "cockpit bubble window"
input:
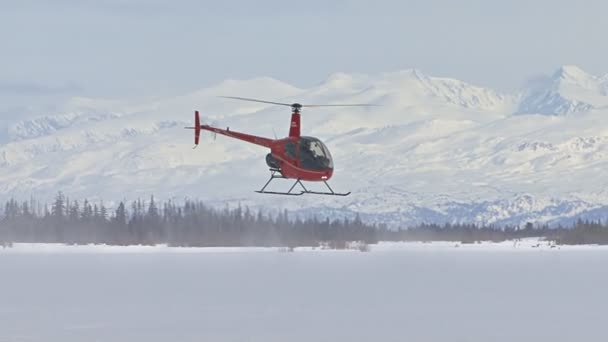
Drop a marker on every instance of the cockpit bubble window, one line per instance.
(314, 154)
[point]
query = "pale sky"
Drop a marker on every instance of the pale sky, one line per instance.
(122, 49)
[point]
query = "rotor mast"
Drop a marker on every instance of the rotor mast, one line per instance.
(294, 127)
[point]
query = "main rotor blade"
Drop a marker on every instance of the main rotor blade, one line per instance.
(254, 100)
(344, 105)
(299, 105)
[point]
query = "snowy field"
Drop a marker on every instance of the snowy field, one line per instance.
(397, 292)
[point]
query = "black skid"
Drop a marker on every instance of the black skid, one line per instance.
(276, 173)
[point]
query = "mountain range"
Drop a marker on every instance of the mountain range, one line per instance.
(434, 150)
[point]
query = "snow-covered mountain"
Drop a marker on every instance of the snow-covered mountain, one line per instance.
(569, 90)
(436, 150)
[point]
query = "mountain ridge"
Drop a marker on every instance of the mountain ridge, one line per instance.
(569, 90)
(438, 149)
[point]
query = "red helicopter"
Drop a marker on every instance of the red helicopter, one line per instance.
(296, 157)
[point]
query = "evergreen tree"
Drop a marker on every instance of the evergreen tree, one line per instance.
(74, 214)
(120, 217)
(87, 211)
(58, 208)
(103, 212)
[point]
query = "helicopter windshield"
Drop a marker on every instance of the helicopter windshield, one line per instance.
(314, 154)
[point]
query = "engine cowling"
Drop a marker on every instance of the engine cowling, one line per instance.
(272, 162)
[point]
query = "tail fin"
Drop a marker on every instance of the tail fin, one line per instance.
(196, 128)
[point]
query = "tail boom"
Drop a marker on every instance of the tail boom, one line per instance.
(227, 132)
(241, 136)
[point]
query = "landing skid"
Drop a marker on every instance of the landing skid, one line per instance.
(276, 173)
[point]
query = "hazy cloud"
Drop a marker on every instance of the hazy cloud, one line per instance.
(37, 89)
(537, 81)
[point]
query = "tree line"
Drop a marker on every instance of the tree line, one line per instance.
(582, 232)
(192, 223)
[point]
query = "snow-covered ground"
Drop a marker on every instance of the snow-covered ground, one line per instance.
(396, 292)
(527, 244)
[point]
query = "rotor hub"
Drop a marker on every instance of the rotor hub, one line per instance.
(296, 107)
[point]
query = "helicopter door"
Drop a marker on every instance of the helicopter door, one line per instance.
(290, 150)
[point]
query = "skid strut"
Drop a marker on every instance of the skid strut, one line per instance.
(276, 173)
